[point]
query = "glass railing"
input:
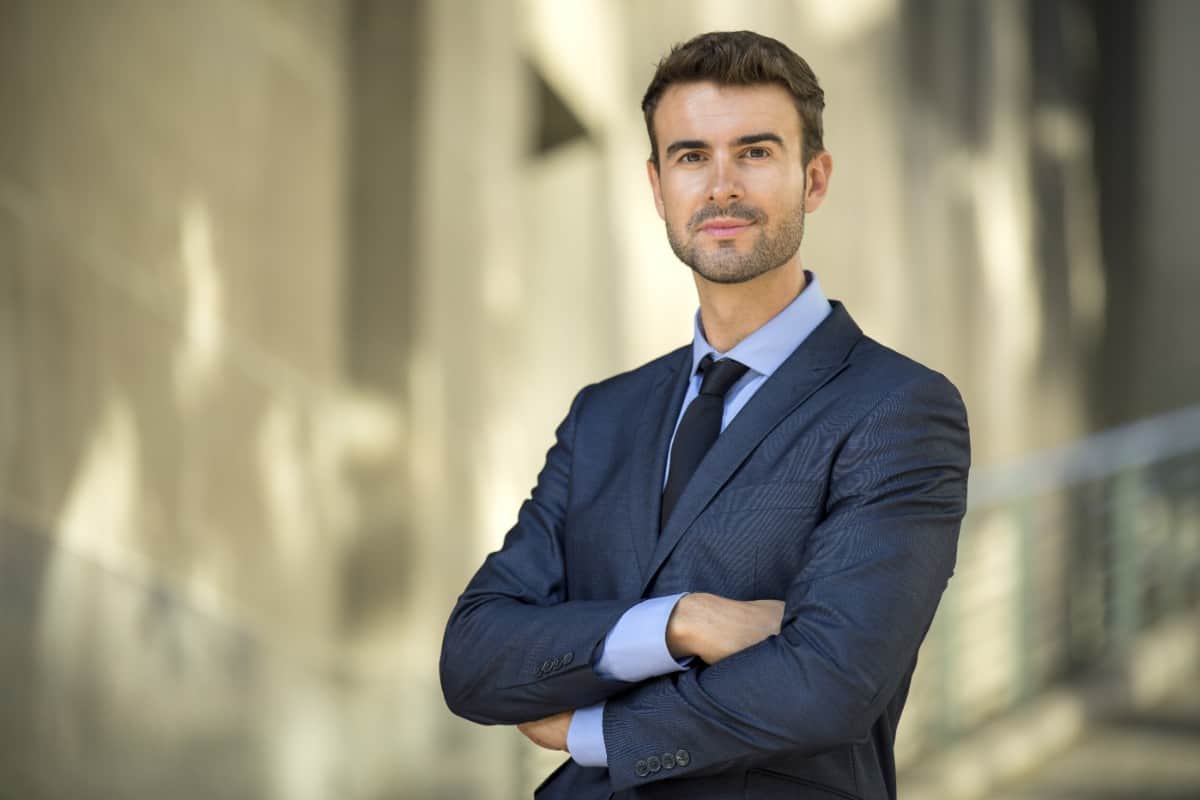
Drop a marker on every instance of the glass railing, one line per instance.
(1065, 558)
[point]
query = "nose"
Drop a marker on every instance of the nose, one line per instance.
(724, 184)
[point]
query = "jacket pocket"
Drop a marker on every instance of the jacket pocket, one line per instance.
(763, 784)
(775, 494)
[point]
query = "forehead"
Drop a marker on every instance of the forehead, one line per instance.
(716, 113)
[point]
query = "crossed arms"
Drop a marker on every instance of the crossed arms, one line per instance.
(804, 675)
(701, 625)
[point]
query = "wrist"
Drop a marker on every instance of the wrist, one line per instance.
(680, 627)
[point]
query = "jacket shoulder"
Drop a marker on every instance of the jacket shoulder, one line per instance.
(635, 382)
(892, 369)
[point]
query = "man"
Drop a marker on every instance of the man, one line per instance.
(719, 584)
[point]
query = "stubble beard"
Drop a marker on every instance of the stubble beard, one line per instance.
(772, 248)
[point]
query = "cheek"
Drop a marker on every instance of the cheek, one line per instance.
(681, 200)
(768, 185)
(677, 218)
(675, 214)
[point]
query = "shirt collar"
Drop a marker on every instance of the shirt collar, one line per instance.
(769, 346)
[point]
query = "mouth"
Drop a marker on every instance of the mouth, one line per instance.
(725, 227)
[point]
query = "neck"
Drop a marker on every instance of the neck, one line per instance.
(729, 312)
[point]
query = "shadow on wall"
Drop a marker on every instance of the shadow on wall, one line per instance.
(164, 633)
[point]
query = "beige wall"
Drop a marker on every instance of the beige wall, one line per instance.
(174, 516)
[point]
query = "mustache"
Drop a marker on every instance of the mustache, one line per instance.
(734, 210)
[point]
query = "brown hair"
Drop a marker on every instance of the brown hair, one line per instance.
(740, 58)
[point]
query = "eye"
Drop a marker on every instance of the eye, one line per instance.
(692, 157)
(758, 152)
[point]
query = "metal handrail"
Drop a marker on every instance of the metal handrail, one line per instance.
(1100, 455)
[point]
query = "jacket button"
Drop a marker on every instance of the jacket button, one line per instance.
(567, 658)
(668, 760)
(640, 769)
(653, 763)
(682, 758)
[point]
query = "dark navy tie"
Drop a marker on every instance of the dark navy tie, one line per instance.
(699, 428)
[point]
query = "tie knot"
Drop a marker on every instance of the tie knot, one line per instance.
(719, 376)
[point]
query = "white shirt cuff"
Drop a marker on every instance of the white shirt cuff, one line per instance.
(636, 647)
(585, 737)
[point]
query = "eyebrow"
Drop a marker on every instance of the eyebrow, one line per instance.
(741, 141)
(755, 138)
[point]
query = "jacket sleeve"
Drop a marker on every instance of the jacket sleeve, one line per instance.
(854, 616)
(515, 649)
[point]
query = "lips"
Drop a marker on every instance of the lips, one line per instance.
(725, 226)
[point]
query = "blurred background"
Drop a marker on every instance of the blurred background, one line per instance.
(294, 292)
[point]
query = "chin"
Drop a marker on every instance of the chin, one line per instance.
(728, 277)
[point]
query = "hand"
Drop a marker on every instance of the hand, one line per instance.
(550, 732)
(712, 627)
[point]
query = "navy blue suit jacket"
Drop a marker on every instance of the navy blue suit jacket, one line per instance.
(839, 489)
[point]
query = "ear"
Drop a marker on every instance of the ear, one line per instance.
(818, 173)
(656, 187)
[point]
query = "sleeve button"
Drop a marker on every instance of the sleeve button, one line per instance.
(682, 757)
(668, 760)
(567, 658)
(653, 763)
(640, 769)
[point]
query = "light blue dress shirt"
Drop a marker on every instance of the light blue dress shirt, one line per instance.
(636, 647)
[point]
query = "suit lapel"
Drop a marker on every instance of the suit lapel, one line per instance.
(816, 362)
(650, 453)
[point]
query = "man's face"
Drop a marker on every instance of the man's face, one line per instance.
(730, 183)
